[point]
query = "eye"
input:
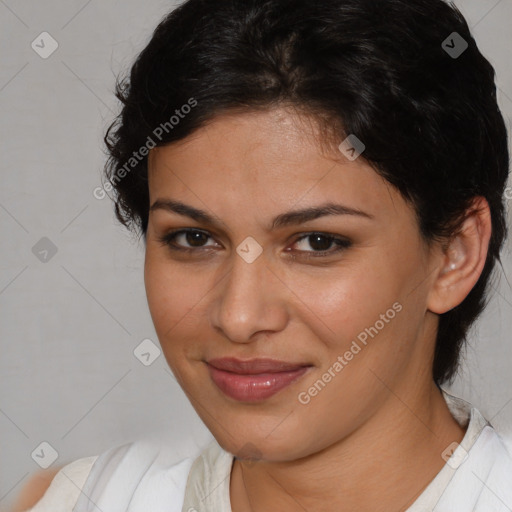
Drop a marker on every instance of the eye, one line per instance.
(320, 242)
(192, 236)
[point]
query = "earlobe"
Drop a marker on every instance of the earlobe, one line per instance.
(462, 262)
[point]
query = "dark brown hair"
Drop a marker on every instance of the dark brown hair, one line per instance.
(386, 71)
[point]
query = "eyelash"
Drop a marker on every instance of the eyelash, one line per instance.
(343, 243)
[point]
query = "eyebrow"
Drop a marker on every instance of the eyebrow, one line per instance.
(284, 219)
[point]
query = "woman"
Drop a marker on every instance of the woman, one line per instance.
(320, 190)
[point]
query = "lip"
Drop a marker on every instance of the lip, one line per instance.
(255, 379)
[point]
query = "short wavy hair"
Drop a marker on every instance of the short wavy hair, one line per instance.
(392, 72)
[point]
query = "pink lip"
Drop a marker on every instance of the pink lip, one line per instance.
(253, 380)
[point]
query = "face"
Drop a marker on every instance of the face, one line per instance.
(339, 296)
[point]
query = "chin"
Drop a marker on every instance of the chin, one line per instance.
(250, 442)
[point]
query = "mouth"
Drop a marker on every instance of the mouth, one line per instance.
(254, 380)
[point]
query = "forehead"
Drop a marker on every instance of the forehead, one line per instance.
(256, 138)
(265, 161)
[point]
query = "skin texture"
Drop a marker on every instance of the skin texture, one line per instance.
(372, 439)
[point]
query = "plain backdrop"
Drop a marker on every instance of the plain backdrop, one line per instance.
(71, 317)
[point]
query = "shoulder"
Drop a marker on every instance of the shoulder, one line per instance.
(57, 489)
(500, 476)
(145, 474)
(482, 482)
(34, 489)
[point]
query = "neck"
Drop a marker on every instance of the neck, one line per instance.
(385, 465)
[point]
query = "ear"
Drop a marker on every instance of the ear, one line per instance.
(462, 260)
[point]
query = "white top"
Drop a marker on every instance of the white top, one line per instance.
(143, 476)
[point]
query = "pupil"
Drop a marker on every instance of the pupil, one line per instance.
(193, 237)
(320, 246)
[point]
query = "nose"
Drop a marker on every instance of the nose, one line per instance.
(250, 300)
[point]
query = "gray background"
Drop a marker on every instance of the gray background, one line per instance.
(69, 325)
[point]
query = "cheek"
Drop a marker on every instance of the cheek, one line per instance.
(365, 315)
(175, 296)
(342, 303)
(164, 285)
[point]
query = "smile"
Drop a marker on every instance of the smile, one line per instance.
(255, 380)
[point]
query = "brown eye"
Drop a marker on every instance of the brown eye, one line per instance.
(193, 240)
(193, 237)
(321, 243)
